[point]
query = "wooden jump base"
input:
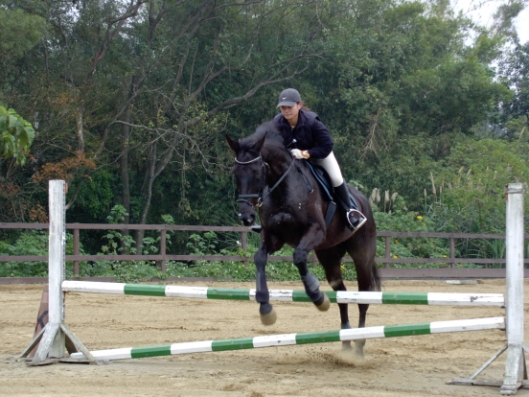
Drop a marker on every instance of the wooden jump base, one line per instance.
(438, 327)
(56, 337)
(387, 298)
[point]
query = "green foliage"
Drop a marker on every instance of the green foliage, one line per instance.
(117, 243)
(30, 242)
(408, 97)
(21, 31)
(471, 183)
(16, 135)
(396, 217)
(96, 196)
(405, 88)
(485, 248)
(399, 219)
(199, 245)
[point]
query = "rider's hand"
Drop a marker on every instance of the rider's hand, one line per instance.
(300, 154)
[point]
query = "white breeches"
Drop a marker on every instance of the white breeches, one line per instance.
(333, 169)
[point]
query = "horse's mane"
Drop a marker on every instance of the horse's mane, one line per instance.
(274, 141)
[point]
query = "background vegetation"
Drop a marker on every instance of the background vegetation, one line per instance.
(129, 101)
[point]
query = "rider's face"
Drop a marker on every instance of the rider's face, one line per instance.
(290, 113)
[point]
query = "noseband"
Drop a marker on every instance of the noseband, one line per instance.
(243, 197)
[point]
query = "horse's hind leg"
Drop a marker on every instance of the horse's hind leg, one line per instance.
(331, 261)
(363, 253)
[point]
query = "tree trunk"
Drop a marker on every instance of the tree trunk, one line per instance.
(124, 159)
(124, 167)
(147, 197)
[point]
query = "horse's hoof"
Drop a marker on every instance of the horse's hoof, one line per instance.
(269, 318)
(325, 305)
(359, 348)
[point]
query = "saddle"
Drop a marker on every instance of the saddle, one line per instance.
(326, 188)
(324, 182)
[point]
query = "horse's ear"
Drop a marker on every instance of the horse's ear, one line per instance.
(259, 144)
(234, 145)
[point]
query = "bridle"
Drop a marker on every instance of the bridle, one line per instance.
(243, 198)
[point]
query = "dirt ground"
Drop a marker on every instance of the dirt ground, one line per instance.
(397, 367)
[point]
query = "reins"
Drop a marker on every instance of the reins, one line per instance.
(278, 182)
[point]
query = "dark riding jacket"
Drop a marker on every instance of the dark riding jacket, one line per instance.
(310, 134)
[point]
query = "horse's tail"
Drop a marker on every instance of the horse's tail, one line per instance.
(376, 283)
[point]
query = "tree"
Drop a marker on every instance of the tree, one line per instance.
(405, 87)
(146, 84)
(16, 136)
(19, 33)
(471, 183)
(132, 97)
(515, 71)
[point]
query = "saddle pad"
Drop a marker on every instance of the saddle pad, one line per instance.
(322, 178)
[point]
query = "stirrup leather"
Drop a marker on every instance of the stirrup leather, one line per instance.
(361, 221)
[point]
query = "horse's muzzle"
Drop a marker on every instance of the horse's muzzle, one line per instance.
(247, 219)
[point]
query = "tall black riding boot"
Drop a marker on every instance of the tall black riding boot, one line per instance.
(355, 219)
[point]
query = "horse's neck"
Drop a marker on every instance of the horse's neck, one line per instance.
(278, 162)
(282, 175)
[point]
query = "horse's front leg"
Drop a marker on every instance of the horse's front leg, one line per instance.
(262, 295)
(311, 239)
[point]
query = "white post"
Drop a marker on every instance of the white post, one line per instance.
(52, 343)
(515, 372)
(56, 264)
(56, 337)
(515, 365)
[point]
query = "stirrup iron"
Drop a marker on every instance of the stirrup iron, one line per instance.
(362, 219)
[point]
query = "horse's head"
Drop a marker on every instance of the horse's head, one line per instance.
(249, 172)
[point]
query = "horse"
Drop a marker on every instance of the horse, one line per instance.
(292, 211)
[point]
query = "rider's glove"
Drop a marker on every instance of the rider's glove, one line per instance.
(300, 154)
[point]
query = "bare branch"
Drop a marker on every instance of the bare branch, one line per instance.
(370, 145)
(154, 20)
(111, 32)
(115, 120)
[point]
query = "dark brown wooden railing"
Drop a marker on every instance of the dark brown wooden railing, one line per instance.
(452, 261)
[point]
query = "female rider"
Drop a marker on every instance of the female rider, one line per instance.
(308, 138)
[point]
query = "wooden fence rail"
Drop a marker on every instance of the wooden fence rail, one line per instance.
(163, 257)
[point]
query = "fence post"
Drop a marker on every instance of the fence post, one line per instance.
(244, 247)
(163, 248)
(452, 253)
(388, 250)
(76, 251)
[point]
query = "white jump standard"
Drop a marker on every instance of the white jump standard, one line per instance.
(515, 375)
(56, 337)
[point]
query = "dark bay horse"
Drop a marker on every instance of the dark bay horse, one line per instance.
(292, 212)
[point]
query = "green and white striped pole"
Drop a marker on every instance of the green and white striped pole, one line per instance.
(400, 298)
(438, 327)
